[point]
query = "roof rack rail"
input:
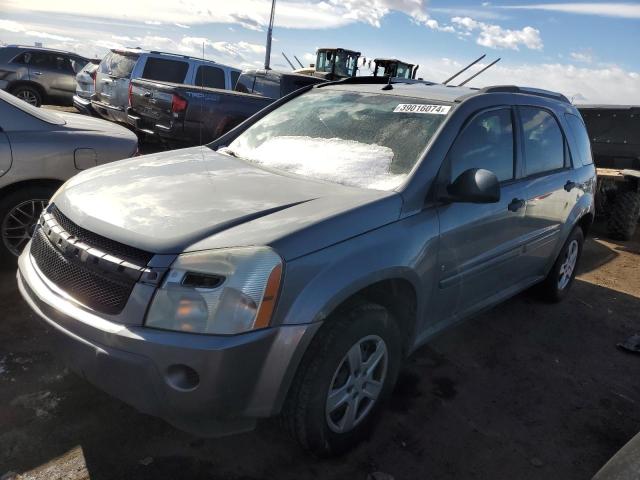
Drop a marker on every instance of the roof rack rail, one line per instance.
(525, 90)
(158, 52)
(376, 81)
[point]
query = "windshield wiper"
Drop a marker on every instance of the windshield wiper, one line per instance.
(228, 151)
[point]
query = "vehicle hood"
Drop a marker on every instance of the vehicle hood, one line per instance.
(196, 199)
(75, 121)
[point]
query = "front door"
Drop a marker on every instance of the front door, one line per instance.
(480, 244)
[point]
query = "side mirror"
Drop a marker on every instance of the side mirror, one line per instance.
(475, 185)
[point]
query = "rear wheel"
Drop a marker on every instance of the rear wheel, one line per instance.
(29, 94)
(623, 215)
(19, 213)
(348, 370)
(559, 280)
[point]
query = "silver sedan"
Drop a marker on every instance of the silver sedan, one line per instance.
(41, 149)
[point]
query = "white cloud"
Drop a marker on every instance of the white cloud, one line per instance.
(16, 27)
(607, 9)
(11, 26)
(583, 56)
(495, 36)
(180, 25)
(611, 85)
(251, 14)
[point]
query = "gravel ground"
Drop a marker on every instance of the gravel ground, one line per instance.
(528, 391)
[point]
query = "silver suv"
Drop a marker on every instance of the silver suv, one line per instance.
(40, 75)
(290, 266)
(120, 66)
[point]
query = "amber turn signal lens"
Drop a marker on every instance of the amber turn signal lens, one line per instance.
(269, 298)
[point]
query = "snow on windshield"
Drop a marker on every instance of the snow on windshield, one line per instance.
(333, 159)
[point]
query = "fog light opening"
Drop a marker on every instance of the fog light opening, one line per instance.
(182, 377)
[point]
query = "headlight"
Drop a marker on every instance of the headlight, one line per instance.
(220, 292)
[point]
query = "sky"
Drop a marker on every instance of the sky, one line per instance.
(586, 50)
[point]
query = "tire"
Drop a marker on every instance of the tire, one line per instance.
(20, 207)
(326, 364)
(624, 214)
(29, 94)
(557, 284)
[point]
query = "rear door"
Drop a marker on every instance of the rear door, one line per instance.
(53, 71)
(551, 184)
(480, 244)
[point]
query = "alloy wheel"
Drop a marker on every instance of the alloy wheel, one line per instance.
(568, 265)
(18, 225)
(356, 384)
(28, 96)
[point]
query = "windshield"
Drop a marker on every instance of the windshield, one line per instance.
(39, 113)
(367, 140)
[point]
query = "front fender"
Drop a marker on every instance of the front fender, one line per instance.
(317, 283)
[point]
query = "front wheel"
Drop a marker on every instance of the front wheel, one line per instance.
(347, 372)
(562, 274)
(19, 213)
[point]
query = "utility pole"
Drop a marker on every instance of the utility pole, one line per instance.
(267, 57)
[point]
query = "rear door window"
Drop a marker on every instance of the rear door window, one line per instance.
(50, 61)
(486, 142)
(267, 87)
(118, 65)
(544, 145)
(211, 77)
(165, 70)
(579, 132)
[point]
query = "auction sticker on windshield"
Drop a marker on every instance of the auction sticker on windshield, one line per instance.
(421, 108)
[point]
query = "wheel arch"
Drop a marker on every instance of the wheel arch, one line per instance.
(35, 182)
(28, 83)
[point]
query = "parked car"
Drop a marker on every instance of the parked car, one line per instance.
(290, 266)
(39, 75)
(39, 150)
(188, 115)
(119, 66)
(85, 87)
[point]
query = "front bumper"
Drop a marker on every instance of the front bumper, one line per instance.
(239, 378)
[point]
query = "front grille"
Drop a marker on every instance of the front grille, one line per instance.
(89, 287)
(117, 249)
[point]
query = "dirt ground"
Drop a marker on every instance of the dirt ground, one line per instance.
(528, 391)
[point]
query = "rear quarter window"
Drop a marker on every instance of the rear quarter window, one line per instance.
(580, 135)
(165, 70)
(118, 65)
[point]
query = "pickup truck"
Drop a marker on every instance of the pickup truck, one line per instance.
(188, 115)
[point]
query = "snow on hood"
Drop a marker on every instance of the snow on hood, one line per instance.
(347, 162)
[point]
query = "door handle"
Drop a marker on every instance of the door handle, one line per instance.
(516, 204)
(569, 186)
